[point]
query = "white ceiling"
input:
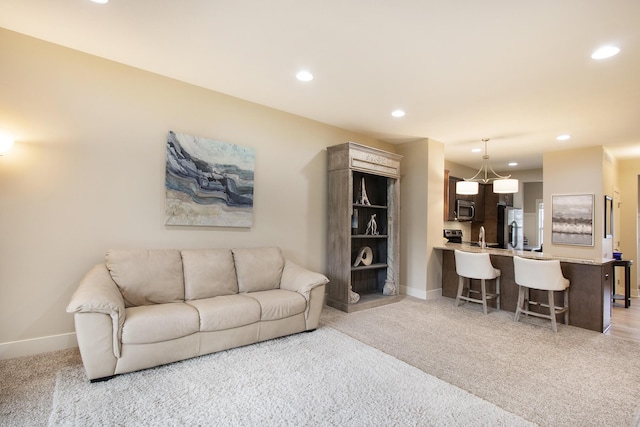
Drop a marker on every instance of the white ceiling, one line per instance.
(518, 72)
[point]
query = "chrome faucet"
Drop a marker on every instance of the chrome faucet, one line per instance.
(483, 244)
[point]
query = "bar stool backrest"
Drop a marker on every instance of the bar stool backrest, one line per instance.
(539, 274)
(475, 265)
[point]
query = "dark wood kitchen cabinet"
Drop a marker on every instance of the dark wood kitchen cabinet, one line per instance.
(478, 200)
(450, 196)
(490, 213)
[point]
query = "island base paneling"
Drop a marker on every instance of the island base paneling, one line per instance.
(589, 292)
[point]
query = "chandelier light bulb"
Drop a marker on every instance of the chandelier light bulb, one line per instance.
(467, 187)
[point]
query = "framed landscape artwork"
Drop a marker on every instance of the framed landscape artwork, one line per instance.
(208, 183)
(572, 219)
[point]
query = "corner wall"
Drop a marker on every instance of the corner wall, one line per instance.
(628, 176)
(421, 224)
(590, 177)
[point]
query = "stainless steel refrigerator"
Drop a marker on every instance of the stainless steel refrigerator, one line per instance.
(510, 227)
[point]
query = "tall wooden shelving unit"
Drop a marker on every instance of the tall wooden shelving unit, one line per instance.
(353, 288)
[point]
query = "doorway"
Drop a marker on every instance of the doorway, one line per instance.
(540, 221)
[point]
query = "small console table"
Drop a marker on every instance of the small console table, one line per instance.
(627, 282)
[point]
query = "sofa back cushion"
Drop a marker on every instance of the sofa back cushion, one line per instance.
(258, 269)
(208, 273)
(147, 276)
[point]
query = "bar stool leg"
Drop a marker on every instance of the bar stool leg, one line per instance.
(566, 304)
(520, 302)
(460, 286)
(498, 292)
(552, 311)
(483, 285)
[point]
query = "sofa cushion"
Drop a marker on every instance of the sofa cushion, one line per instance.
(226, 312)
(258, 269)
(160, 322)
(279, 303)
(208, 273)
(147, 276)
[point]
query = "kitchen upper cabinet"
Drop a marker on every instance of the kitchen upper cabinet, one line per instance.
(449, 197)
(479, 199)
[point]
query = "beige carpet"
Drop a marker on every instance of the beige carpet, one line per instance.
(27, 384)
(571, 378)
(324, 378)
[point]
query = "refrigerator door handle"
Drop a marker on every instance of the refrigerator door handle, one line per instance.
(513, 234)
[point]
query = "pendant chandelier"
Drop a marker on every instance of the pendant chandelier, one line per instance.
(501, 184)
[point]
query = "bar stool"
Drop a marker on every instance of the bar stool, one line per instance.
(476, 266)
(543, 275)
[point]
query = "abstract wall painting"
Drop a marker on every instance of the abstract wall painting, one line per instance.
(572, 219)
(208, 183)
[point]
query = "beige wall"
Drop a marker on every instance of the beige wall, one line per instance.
(592, 177)
(87, 174)
(458, 170)
(421, 223)
(435, 221)
(532, 192)
(627, 184)
(413, 212)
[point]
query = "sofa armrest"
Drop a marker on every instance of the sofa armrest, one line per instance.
(299, 279)
(98, 293)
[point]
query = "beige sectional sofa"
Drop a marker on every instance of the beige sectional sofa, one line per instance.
(144, 308)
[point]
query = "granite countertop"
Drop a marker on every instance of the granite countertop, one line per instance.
(524, 254)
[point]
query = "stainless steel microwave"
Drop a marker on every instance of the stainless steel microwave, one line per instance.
(465, 210)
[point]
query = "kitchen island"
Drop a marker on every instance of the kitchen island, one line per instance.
(589, 292)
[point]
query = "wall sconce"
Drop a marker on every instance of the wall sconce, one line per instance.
(6, 142)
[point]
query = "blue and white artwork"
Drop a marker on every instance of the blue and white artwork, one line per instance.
(208, 182)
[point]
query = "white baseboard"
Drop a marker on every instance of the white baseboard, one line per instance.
(10, 350)
(434, 294)
(421, 294)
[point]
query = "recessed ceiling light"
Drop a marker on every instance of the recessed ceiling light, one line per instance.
(397, 113)
(605, 52)
(304, 76)
(476, 150)
(563, 137)
(513, 163)
(100, 1)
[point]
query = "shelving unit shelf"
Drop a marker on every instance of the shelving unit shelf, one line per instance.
(364, 187)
